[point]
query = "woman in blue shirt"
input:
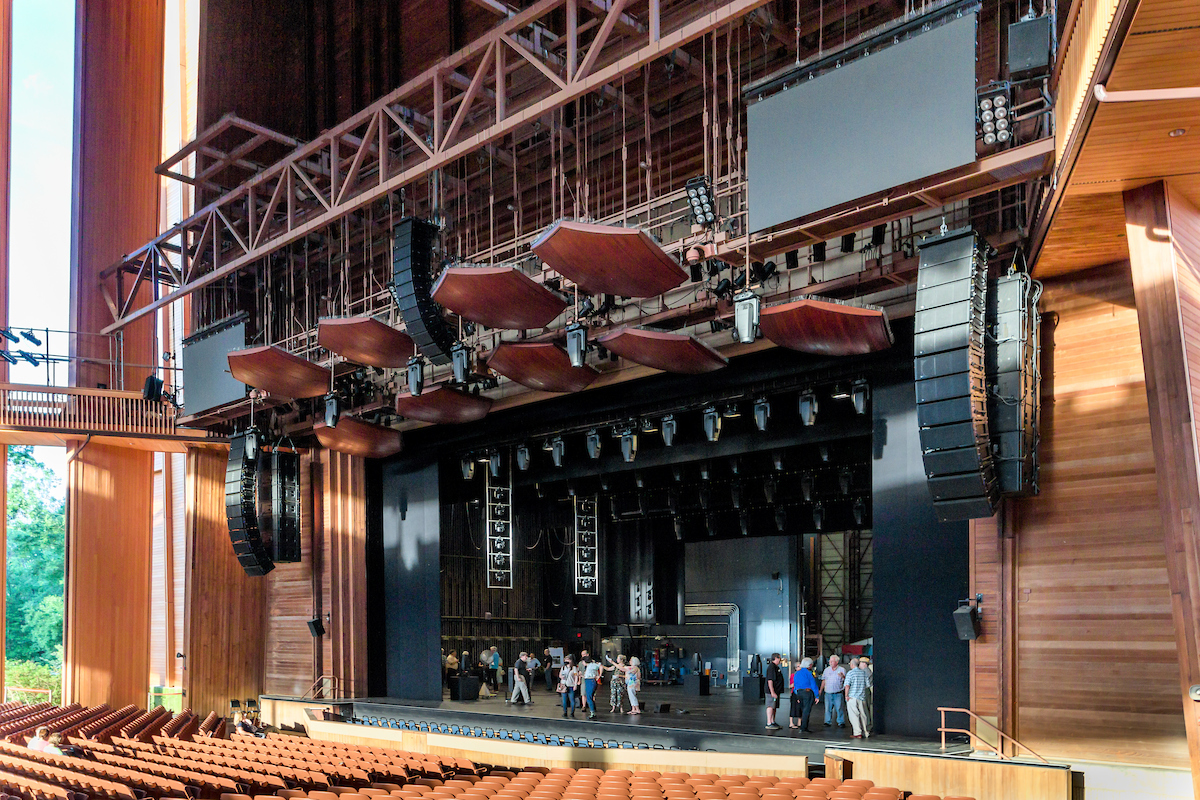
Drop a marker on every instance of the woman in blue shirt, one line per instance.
(806, 693)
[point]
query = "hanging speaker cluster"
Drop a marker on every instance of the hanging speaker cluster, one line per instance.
(412, 281)
(952, 407)
(262, 504)
(1011, 353)
(279, 504)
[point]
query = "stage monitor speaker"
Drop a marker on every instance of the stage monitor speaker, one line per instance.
(279, 505)
(1011, 353)
(1029, 48)
(949, 369)
(966, 622)
(315, 627)
(412, 279)
(241, 504)
(661, 708)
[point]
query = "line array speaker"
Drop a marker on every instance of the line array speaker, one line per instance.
(952, 412)
(1011, 355)
(279, 505)
(412, 277)
(241, 504)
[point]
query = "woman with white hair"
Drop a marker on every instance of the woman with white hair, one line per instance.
(633, 683)
(806, 693)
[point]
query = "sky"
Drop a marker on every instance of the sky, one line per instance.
(40, 191)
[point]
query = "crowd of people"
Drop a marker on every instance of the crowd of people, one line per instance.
(847, 693)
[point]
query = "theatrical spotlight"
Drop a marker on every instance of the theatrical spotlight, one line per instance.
(557, 449)
(30, 357)
(576, 344)
(780, 519)
(332, 412)
(629, 446)
(522, 457)
(746, 307)
(35, 341)
(744, 522)
(468, 468)
(12, 337)
(416, 376)
(494, 463)
(762, 413)
(845, 479)
(647, 425)
(859, 392)
(593, 443)
(703, 470)
(700, 196)
(995, 123)
(712, 424)
(806, 487)
(709, 525)
(587, 307)
(777, 460)
(460, 362)
(678, 530)
(735, 495)
(769, 487)
(760, 271)
(860, 511)
(7, 356)
(808, 407)
(818, 516)
(668, 430)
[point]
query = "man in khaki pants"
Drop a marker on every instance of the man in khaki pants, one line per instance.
(858, 681)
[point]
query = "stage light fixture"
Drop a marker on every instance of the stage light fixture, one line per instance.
(839, 392)
(587, 307)
(639, 480)
(860, 511)
(780, 519)
(673, 500)
(735, 465)
(709, 525)
(468, 468)
(8, 334)
(7, 356)
(735, 494)
(576, 344)
(806, 487)
(777, 460)
(592, 439)
(703, 203)
(762, 413)
(808, 408)
(705, 497)
(677, 473)
(416, 376)
(761, 271)
(523, 457)
(769, 487)
(992, 116)
(730, 411)
(460, 362)
(494, 463)
(629, 446)
(845, 479)
(712, 424)
(823, 450)
(647, 425)
(703, 470)
(859, 392)
(557, 450)
(30, 357)
(744, 522)
(152, 389)
(332, 412)
(35, 341)
(819, 516)
(678, 530)
(724, 288)
(667, 426)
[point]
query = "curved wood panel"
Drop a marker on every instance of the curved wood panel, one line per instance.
(498, 297)
(366, 340)
(826, 328)
(670, 352)
(279, 372)
(357, 438)
(441, 404)
(606, 259)
(541, 365)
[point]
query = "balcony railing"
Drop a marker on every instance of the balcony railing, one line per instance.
(65, 410)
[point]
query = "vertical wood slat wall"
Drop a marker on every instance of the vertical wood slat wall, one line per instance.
(343, 542)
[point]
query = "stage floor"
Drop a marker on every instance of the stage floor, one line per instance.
(722, 721)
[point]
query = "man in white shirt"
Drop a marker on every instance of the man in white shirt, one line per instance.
(833, 681)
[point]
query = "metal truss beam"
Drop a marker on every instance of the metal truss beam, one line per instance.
(353, 165)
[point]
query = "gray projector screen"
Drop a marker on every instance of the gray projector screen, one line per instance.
(207, 382)
(894, 116)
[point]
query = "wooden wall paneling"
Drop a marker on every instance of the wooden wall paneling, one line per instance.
(985, 651)
(158, 577)
(225, 605)
(950, 775)
(118, 132)
(1164, 253)
(107, 619)
(1093, 612)
(291, 662)
(344, 569)
(177, 482)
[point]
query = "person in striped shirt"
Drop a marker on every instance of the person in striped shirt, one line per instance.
(858, 681)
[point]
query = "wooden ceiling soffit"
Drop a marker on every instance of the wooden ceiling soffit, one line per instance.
(608, 259)
(441, 404)
(365, 340)
(826, 327)
(498, 297)
(357, 438)
(543, 366)
(278, 372)
(669, 352)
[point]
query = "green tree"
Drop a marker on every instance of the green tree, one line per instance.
(36, 550)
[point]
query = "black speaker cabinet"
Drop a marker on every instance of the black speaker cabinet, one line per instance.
(952, 409)
(279, 505)
(1029, 48)
(316, 627)
(1011, 354)
(241, 504)
(412, 277)
(966, 622)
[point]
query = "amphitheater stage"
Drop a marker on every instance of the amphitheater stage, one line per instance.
(721, 721)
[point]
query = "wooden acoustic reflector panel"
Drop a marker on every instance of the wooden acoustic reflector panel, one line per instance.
(365, 340)
(606, 259)
(441, 404)
(826, 327)
(498, 297)
(541, 365)
(357, 438)
(278, 372)
(670, 352)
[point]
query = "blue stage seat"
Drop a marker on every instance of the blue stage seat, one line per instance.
(554, 740)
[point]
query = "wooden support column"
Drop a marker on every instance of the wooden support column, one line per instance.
(1163, 229)
(343, 565)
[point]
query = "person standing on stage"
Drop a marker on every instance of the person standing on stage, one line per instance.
(497, 666)
(521, 681)
(534, 665)
(591, 676)
(485, 663)
(833, 681)
(450, 666)
(806, 692)
(568, 679)
(617, 691)
(549, 670)
(633, 684)
(858, 681)
(775, 686)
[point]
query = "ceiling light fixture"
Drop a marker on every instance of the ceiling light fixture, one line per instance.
(808, 407)
(667, 425)
(593, 443)
(576, 344)
(416, 376)
(523, 457)
(762, 413)
(712, 424)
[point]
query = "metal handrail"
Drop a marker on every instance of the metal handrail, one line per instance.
(48, 692)
(319, 683)
(995, 748)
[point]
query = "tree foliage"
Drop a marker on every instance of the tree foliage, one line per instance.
(36, 549)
